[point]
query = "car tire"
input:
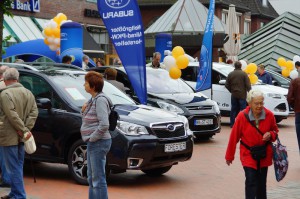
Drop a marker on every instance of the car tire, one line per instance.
(157, 171)
(77, 162)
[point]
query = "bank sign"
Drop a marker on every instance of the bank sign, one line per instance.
(29, 5)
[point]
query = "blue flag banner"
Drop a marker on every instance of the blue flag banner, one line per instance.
(123, 22)
(205, 64)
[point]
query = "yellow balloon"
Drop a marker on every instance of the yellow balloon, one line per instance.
(182, 61)
(251, 68)
(253, 78)
(56, 32)
(175, 72)
(46, 41)
(285, 72)
(57, 20)
(246, 70)
(290, 65)
(62, 17)
(177, 51)
(48, 31)
(281, 62)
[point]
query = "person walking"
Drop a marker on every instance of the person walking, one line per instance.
(263, 75)
(111, 75)
(238, 84)
(249, 136)
(17, 118)
(5, 180)
(94, 131)
(293, 99)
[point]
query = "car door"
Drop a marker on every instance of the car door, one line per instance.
(51, 124)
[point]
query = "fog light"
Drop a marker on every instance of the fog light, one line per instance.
(134, 162)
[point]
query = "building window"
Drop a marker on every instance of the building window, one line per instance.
(238, 15)
(262, 24)
(247, 27)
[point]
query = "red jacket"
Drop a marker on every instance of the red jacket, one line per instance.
(243, 130)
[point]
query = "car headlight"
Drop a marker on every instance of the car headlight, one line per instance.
(170, 107)
(131, 129)
(186, 125)
(274, 95)
(216, 107)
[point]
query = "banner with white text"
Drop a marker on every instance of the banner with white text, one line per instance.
(123, 21)
(205, 64)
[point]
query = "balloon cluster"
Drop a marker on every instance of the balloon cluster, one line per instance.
(51, 31)
(250, 69)
(176, 62)
(287, 66)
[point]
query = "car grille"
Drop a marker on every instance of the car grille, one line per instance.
(281, 107)
(168, 130)
(210, 127)
(197, 108)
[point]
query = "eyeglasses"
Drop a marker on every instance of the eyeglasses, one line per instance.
(258, 103)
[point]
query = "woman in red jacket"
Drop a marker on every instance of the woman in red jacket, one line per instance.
(263, 119)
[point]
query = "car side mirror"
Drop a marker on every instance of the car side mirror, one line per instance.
(222, 82)
(275, 83)
(44, 103)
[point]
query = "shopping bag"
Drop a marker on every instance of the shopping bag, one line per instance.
(280, 160)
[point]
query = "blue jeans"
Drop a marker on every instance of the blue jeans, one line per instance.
(14, 160)
(297, 124)
(4, 174)
(256, 183)
(96, 160)
(237, 105)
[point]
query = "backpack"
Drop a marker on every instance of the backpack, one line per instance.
(113, 116)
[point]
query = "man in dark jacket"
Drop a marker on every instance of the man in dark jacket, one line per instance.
(263, 75)
(293, 99)
(238, 84)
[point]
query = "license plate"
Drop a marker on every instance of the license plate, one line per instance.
(180, 146)
(203, 122)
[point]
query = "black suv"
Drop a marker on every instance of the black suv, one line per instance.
(176, 96)
(146, 138)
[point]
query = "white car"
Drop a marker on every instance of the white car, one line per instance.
(275, 97)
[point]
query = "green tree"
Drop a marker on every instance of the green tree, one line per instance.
(5, 6)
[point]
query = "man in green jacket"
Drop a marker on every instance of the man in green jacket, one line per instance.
(18, 113)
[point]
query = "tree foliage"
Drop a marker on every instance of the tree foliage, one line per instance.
(5, 6)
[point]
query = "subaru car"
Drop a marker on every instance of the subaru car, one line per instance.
(146, 138)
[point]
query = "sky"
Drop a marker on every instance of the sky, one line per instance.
(282, 6)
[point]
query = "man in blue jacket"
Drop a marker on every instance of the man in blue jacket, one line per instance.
(263, 75)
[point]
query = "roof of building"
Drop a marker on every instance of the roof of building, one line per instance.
(185, 17)
(257, 8)
(279, 38)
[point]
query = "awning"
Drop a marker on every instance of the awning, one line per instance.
(22, 28)
(6, 34)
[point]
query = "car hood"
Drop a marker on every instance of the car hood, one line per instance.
(182, 98)
(142, 114)
(266, 88)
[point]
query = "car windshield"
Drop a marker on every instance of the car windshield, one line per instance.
(72, 85)
(159, 82)
(225, 70)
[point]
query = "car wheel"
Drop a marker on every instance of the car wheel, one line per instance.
(77, 162)
(157, 171)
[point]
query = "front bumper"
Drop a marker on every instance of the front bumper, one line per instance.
(205, 130)
(148, 154)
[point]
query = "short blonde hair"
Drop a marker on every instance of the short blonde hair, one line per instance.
(253, 93)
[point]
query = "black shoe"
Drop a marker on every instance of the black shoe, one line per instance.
(6, 197)
(4, 185)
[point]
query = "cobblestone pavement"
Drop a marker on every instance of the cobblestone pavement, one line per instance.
(205, 176)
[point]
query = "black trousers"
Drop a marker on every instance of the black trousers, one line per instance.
(256, 183)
